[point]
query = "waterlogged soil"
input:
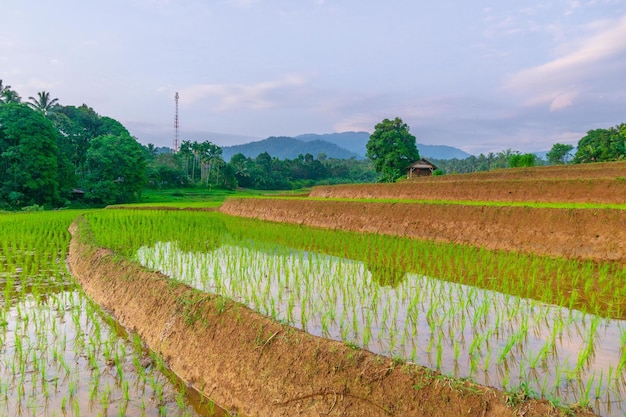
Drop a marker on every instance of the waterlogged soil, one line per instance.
(254, 366)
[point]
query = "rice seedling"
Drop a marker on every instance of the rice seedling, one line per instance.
(54, 342)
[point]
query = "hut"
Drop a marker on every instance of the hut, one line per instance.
(421, 168)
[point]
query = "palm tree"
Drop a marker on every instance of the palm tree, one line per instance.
(3, 88)
(10, 96)
(7, 95)
(43, 103)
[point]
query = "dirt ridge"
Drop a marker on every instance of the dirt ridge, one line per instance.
(598, 191)
(596, 234)
(255, 366)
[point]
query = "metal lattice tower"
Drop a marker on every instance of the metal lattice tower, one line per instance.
(176, 124)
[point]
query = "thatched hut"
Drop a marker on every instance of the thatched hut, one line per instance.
(421, 168)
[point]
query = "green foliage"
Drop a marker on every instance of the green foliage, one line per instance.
(28, 158)
(392, 149)
(559, 154)
(115, 169)
(522, 160)
(78, 126)
(203, 164)
(7, 95)
(43, 103)
(438, 172)
(165, 170)
(44, 152)
(602, 145)
(267, 173)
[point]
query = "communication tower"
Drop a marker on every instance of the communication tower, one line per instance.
(176, 124)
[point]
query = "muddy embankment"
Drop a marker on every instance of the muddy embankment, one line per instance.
(255, 366)
(597, 191)
(597, 234)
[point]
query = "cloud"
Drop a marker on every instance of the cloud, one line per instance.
(243, 4)
(559, 81)
(259, 96)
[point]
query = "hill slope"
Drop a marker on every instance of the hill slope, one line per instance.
(283, 147)
(356, 142)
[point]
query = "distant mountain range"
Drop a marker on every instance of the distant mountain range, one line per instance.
(283, 147)
(334, 145)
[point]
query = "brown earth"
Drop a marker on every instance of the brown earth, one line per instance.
(584, 183)
(597, 234)
(609, 170)
(258, 367)
(607, 191)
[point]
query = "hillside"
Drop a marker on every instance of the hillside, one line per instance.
(283, 147)
(356, 142)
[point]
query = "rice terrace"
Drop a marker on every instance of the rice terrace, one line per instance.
(490, 294)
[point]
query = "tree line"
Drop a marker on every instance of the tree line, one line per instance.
(51, 155)
(201, 164)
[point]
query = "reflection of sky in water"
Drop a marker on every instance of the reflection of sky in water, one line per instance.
(59, 357)
(497, 339)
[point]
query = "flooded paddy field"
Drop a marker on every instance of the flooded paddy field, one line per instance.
(60, 354)
(538, 325)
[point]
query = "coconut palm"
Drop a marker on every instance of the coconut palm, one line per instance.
(43, 103)
(10, 96)
(7, 95)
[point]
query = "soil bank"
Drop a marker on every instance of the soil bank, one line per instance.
(596, 234)
(255, 366)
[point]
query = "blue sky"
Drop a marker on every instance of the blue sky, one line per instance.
(479, 75)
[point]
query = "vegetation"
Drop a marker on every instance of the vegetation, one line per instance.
(392, 149)
(559, 154)
(30, 161)
(602, 145)
(51, 155)
(60, 353)
(506, 323)
(186, 169)
(522, 160)
(482, 162)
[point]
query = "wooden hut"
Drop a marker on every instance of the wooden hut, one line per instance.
(421, 168)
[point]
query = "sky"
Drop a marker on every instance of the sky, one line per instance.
(483, 76)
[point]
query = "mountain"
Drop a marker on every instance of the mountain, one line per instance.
(356, 142)
(441, 152)
(283, 147)
(353, 141)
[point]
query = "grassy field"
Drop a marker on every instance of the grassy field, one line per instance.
(196, 197)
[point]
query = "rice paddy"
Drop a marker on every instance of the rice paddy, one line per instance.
(548, 327)
(60, 355)
(551, 327)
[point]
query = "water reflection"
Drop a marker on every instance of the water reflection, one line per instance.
(385, 275)
(495, 338)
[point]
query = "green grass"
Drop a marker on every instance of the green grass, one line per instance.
(195, 197)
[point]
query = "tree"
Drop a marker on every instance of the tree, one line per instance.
(7, 95)
(29, 159)
(78, 126)
(392, 149)
(602, 145)
(116, 170)
(559, 154)
(43, 102)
